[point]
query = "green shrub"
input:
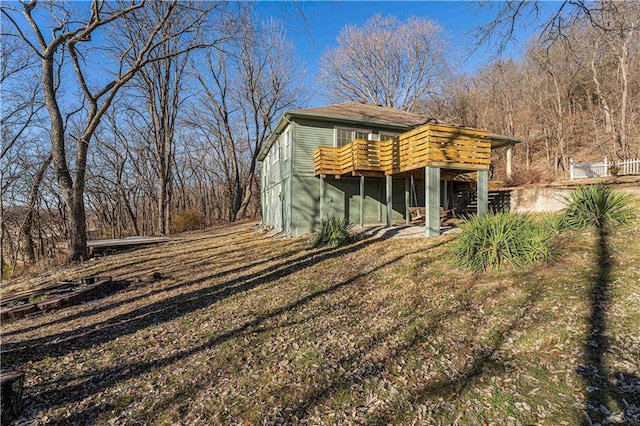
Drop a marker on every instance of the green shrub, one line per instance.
(552, 221)
(498, 239)
(187, 220)
(595, 205)
(333, 232)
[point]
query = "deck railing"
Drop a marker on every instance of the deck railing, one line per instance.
(333, 161)
(428, 145)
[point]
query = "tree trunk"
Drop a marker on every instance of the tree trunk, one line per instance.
(77, 233)
(237, 198)
(248, 195)
(72, 193)
(162, 207)
(622, 129)
(27, 225)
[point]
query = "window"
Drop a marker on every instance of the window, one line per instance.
(345, 135)
(385, 136)
(275, 155)
(287, 143)
(362, 134)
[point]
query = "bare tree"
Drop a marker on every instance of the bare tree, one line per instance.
(112, 183)
(565, 16)
(71, 32)
(387, 62)
(21, 98)
(19, 110)
(161, 86)
(244, 89)
(617, 29)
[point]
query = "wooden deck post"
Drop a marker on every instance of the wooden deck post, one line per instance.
(361, 200)
(432, 201)
(509, 161)
(389, 182)
(483, 192)
(321, 197)
(407, 201)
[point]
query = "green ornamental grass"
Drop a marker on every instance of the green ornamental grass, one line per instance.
(499, 239)
(595, 206)
(333, 232)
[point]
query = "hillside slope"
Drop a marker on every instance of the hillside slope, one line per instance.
(245, 329)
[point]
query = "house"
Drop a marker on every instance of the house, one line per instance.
(371, 164)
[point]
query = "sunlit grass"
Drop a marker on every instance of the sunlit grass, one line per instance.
(375, 332)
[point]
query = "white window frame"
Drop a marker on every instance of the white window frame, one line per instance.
(286, 135)
(353, 133)
(274, 151)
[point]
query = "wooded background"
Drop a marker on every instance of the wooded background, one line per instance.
(144, 118)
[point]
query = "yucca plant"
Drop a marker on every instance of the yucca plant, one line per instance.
(595, 206)
(553, 221)
(498, 239)
(333, 232)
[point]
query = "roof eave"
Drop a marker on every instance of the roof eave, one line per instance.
(347, 120)
(500, 141)
(280, 126)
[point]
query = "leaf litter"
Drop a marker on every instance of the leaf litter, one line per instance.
(249, 330)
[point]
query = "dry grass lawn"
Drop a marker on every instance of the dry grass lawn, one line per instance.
(246, 329)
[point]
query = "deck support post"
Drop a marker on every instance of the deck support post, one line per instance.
(432, 201)
(321, 197)
(407, 201)
(361, 201)
(483, 192)
(389, 182)
(509, 161)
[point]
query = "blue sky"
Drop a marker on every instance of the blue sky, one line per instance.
(325, 19)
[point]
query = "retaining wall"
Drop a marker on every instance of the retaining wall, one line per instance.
(540, 199)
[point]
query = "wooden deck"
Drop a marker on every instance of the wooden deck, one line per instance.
(451, 147)
(97, 247)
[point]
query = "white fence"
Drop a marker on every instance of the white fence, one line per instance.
(604, 168)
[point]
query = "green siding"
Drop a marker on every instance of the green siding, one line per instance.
(341, 197)
(397, 193)
(286, 168)
(305, 206)
(373, 204)
(307, 136)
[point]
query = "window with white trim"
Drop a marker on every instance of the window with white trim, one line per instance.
(287, 143)
(344, 135)
(275, 155)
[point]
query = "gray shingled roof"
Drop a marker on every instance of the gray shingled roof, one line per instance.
(359, 111)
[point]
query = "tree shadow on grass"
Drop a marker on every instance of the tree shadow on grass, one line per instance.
(97, 381)
(483, 362)
(60, 344)
(601, 392)
(164, 289)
